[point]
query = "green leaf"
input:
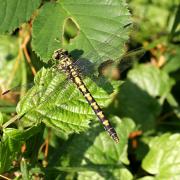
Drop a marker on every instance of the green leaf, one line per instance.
(8, 55)
(14, 13)
(137, 97)
(24, 169)
(175, 30)
(95, 152)
(10, 144)
(104, 150)
(58, 103)
(15, 137)
(163, 159)
(172, 64)
(146, 15)
(1, 120)
(114, 174)
(147, 178)
(6, 156)
(94, 21)
(152, 80)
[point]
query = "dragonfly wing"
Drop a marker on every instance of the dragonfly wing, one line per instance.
(58, 106)
(105, 49)
(130, 58)
(87, 68)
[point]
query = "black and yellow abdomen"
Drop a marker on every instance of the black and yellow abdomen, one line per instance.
(66, 64)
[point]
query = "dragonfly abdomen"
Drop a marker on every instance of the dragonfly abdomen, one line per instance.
(92, 102)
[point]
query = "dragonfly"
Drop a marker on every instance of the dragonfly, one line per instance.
(65, 63)
(73, 69)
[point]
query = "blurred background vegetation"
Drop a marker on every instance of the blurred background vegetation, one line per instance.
(145, 109)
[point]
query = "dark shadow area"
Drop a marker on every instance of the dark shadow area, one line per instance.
(136, 155)
(135, 103)
(73, 150)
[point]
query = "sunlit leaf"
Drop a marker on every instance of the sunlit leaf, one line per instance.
(95, 21)
(57, 102)
(163, 159)
(8, 60)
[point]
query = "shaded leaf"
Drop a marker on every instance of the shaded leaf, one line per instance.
(15, 137)
(14, 13)
(6, 156)
(10, 144)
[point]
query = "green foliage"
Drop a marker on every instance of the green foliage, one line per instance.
(87, 152)
(163, 158)
(58, 103)
(55, 134)
(144, 84)
(94, 23)
(14, 13)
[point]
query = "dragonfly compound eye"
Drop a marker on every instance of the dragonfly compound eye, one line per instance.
(60, 54)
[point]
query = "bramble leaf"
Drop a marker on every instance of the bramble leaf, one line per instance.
(58, 103)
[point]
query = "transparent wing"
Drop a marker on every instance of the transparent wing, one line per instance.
(56, 106)
(111, 48)
(88, 69)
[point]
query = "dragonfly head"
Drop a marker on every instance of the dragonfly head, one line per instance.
(60, 54)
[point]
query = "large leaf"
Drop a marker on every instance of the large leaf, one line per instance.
(58, 103)
(94, 153)
(94, 21)
(14, 13)
(163, 159)
(113, 174)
